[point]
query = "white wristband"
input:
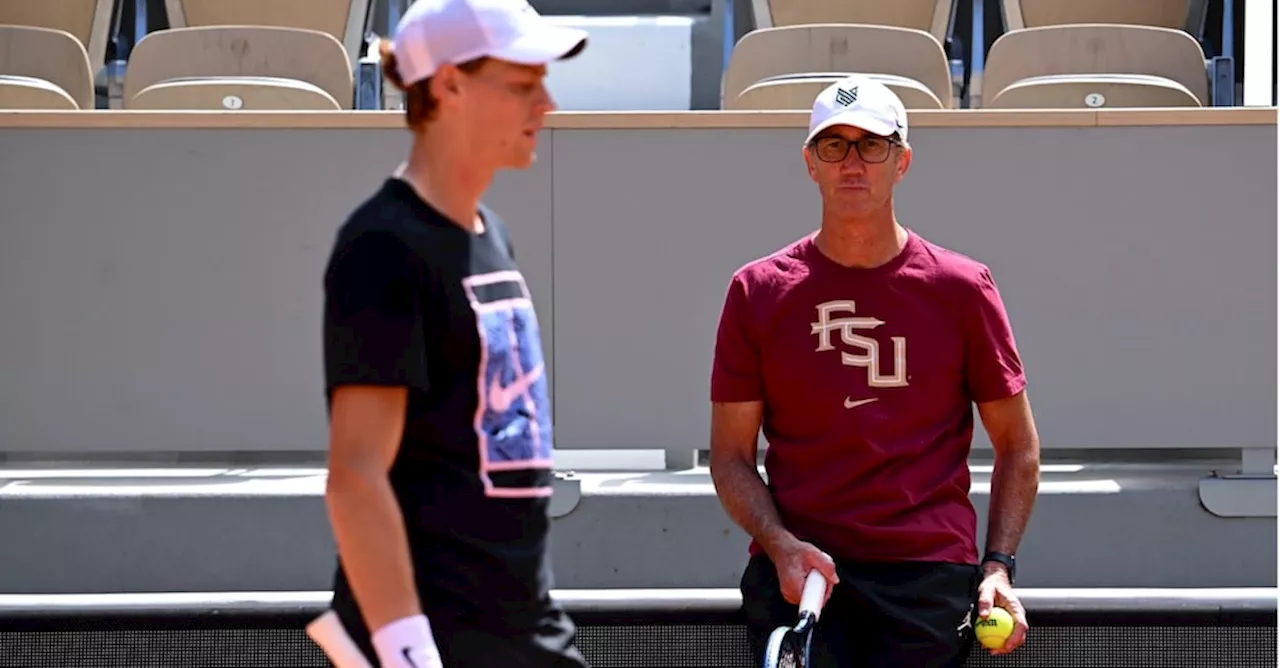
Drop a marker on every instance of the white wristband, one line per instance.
(407, 643)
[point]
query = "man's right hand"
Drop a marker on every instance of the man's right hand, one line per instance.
(794, 559)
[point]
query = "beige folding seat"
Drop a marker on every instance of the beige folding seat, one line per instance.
(1082, 67)
(88, 21)
(1179, 14)
(345, 20)
(785, 68)
(1094, 66)
(250, 54)
(43, 69)
(238, 68)
(1096, 53)
(799, 47)
(931, 16)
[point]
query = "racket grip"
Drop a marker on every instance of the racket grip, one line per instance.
(815, 586)
(327, 632)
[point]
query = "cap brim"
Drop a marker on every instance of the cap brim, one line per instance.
(543, 45)
(855, 119)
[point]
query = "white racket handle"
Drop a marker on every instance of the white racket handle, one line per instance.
(815, 585)
(327, 632)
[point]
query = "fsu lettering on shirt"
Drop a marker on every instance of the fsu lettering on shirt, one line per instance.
(868, 376)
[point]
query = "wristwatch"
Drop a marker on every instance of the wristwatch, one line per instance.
(1002, 558)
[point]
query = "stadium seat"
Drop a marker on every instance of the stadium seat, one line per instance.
(87, 21)
(1083, 66)
(345, 20)
(238, 68)
(1177, 14)
(800, 46)
(932, 16)
(1097, 53)
(785, 67)
(293, 55)
(43, 68)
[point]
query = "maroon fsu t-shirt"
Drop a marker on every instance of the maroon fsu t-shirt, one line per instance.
(868, 378)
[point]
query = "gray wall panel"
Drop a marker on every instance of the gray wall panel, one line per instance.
(1141, 286)
(641, 270)
(161, 290)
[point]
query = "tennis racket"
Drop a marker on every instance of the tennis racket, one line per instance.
(789, 645)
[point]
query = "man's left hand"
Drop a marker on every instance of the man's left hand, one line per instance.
(997, 591)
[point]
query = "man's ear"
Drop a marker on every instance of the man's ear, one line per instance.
(904, 163)
(445, 83)
(809, 164)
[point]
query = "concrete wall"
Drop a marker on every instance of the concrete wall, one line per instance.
(160, 287)
(159, 293)
(265, 529)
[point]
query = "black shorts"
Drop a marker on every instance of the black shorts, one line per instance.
(917, 614)
(549, 644)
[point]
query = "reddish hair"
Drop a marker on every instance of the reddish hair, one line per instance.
(419, 104)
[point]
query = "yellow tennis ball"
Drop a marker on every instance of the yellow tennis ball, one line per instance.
(995, 629)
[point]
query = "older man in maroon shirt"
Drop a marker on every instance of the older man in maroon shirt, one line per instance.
(861, 350)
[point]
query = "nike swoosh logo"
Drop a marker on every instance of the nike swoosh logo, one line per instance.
(404, 651)
(850, 403)
(500, 398)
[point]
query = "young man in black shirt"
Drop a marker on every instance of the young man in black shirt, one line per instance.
(440, 449)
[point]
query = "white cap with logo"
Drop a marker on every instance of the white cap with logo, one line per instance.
(862, 102)
(435, 32)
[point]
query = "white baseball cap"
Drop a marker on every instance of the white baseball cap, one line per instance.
(862, 102)
(435, 32)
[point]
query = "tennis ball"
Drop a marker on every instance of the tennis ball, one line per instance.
(995, 629)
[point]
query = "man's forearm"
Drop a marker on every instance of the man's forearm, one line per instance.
(748, 503)
(373, 546)
(1014, 485)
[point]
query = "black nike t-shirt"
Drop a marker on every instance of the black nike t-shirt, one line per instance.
(413, 300)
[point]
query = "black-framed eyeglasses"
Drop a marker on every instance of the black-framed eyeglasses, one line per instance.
(871, 149)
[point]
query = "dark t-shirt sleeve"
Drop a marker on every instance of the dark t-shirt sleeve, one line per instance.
(373, 331)
(735, 369)
(994, 368)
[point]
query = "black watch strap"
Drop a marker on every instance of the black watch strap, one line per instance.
(1002, 558)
